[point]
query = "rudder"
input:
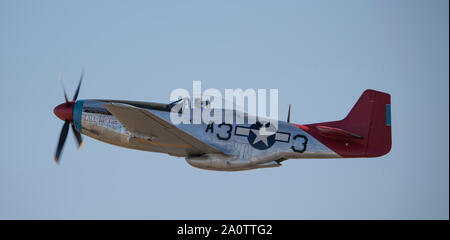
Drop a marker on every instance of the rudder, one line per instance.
(371, 116)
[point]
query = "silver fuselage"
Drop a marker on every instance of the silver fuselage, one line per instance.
(91, 118)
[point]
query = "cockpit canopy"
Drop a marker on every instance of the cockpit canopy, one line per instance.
(206, 102)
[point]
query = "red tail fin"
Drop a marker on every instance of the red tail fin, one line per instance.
(365, 132)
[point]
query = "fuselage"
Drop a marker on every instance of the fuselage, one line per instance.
(91, 118)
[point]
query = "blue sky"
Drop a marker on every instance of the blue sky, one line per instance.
(321, 55)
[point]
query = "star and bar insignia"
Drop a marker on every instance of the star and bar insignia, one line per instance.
(262, 135)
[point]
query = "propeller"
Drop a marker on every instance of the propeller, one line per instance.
(64, 90)
(289, 114)
(64, 111)
(62, 140)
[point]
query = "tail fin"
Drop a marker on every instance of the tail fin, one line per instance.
(364, 132)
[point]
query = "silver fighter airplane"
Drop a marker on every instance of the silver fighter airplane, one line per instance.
(364, 132)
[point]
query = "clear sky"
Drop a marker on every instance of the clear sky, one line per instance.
(321, 55)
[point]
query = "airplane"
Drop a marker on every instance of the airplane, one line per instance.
(364, 133)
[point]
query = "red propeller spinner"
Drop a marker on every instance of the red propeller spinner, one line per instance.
(64, 111)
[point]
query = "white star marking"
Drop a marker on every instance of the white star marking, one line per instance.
(262, 137)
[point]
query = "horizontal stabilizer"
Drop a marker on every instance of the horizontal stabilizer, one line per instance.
(337, 133)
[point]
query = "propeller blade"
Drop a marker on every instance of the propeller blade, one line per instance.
(64, 90)
(77, 136)
(78, 88)
(289, 114)
(62, 140)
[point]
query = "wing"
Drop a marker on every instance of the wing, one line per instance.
(142, 122)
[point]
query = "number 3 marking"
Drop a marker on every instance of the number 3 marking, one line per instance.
(230, 127)
(305, 141)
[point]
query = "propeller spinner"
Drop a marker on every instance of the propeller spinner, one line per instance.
(64, 111)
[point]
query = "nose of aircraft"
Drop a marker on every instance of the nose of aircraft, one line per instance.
(64, 111)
